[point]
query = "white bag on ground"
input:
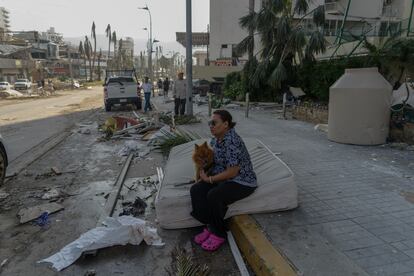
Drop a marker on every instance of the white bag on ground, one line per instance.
(276, 190)
(117, 231)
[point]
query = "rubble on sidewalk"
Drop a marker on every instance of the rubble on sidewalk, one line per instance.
(135, 208)
(116, 231)
(4, 195)
(31, 213)
(321, 127)
(51, 194)
(130, 147)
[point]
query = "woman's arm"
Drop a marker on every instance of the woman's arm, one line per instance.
(229, 173)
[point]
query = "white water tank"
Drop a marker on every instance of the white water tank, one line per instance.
(359, 108)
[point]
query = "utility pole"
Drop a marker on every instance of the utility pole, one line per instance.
(70, 67)
(189, 56)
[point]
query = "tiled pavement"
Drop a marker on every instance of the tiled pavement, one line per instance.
(356, 211)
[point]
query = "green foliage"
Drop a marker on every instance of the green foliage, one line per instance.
(315, 78)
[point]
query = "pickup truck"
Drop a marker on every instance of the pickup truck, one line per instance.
(22, 84)
(121, 90)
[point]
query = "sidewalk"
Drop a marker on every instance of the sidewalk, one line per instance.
(356, 203)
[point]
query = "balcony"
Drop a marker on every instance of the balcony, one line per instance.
(333, 7)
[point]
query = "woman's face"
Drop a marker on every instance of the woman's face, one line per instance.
(217, 127)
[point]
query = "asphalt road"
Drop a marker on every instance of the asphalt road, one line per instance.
(25, 123)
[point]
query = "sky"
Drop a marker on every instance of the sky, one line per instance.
(73, 18)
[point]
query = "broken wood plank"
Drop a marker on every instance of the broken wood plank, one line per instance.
(130, 128)
(31, 213)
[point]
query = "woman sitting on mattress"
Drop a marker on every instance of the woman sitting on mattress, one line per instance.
(232, 178)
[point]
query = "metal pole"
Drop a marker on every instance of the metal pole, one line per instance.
(247, 104)
(209, 105)
(151, 76)
(70, 67)
(189, 56)
(343, 22)
(411, 18)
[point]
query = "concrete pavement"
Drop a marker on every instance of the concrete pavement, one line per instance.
(26, 123)
(356, 203)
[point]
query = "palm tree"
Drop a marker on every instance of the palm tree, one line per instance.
(109, 36)
(99, 64)
(82, 54)
(114, 41)
(283, 38)
(88, 53)
(93, 35)
(394, 50)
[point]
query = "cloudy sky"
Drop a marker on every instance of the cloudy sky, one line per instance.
(74, 18)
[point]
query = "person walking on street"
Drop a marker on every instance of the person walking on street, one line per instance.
(180, 95)
(147, 87)
(166, 86)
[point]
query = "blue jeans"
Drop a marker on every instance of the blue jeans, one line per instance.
(147, 97)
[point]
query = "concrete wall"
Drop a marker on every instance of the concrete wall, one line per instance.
(224, 26)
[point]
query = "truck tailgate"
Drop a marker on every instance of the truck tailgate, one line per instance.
(126, 90)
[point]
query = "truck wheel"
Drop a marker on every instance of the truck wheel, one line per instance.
(2, 166)
(107, 107)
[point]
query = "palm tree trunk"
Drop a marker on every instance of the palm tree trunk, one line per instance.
(94, 57)
(251, 31)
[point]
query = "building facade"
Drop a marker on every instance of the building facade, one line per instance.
(371, 18)
(4, 24)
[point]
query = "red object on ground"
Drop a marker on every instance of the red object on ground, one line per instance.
(123, 122)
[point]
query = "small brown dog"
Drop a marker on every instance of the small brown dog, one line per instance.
(203, 158)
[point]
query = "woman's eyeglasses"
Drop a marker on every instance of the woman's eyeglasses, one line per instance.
(212, 123)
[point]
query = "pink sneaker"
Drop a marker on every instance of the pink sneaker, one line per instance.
(213, 243)
(202, 237)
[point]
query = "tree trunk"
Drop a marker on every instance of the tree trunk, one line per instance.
(94, 57)
(99, 68)
(251, 31)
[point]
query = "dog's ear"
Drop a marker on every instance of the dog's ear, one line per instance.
(196, 146)
(205, 144)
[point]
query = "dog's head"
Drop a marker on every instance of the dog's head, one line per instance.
(203, 154)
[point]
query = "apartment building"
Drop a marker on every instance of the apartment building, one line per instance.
(4, 24)
(344, 18)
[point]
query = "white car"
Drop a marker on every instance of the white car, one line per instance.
(22, 84)
(4, 85)
(3, 160)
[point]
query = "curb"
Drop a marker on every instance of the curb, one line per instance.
(262, 257)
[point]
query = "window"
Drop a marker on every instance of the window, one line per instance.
(224, 46)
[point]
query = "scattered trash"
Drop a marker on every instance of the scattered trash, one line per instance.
(4, 262)
(117, 231)
(321, 127)
(42, 220)
(84, 130)
(4, 195)
(31, 213)
(130, 147)
(10, 93)
(144, 153)
(51, 194)
(56, 171)
(133, 209)
(90, 272)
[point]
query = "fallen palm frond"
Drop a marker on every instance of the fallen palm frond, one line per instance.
(184, 265)
(172, 139)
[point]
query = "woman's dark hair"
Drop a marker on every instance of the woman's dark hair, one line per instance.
(225, 117)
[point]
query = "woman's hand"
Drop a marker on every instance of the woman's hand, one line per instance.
(204, 176)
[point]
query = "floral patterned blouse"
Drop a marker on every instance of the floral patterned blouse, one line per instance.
(230, 152)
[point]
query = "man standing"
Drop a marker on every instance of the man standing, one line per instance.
(166, 86)
(147, 87)
(180, 94)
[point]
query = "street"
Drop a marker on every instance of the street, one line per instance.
(26, 123)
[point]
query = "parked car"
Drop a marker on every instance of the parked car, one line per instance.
(121, 88)
(22, 84)
(3, 160)
(4, 85)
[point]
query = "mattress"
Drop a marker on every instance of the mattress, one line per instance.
(276, 190)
